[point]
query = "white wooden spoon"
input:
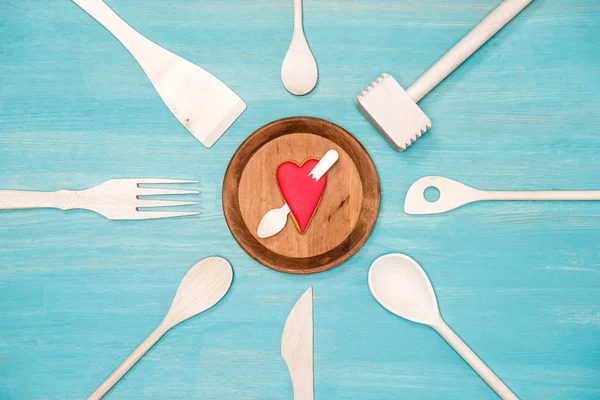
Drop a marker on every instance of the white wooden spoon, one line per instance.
(453, 194)
(201, 288)
(401, 286)
(299, 72)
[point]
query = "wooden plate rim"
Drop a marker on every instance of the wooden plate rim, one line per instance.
(369, 208)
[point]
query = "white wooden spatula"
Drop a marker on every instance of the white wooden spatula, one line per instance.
(203, 104)
(201, 288)
(453, 194)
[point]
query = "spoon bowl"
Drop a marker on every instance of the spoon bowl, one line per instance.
(400, 285)
(273, 222)
(203, 286)
(299, 73)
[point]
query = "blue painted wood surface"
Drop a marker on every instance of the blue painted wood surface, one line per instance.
(520, 282)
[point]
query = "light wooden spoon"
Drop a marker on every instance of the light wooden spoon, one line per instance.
(299, 72)
(200, 289)
(401, 286)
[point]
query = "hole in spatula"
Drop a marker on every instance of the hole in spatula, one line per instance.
(431, 194)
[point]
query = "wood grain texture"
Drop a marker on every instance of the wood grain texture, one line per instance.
(519, 281)
(347, 211)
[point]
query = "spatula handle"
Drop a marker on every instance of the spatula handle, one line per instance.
(562, 195)
(126, 365)
(140, 47)
(487, 28)
(475, 362)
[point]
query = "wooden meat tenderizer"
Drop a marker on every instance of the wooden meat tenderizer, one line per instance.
(395, 113)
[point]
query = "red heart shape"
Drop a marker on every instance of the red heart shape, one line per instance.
(300, 191)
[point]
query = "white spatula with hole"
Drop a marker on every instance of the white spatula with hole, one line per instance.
(454, 194)
(401, 286)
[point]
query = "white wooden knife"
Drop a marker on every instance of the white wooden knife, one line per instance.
(297, 346)
(275, 220)
(203, 104)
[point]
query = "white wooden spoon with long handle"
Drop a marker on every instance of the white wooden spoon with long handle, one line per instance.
(299, 72)
(201, 288)
(276, 219)
(401, 286)
(454, 194)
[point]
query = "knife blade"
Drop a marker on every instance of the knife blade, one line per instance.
(297, 346)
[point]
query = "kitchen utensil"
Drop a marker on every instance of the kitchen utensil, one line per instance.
(347, 211)
(401, 286)
(275, 220)
(203, 104)
(395, 113)
(116, 199)
(297, 346)
(453, 194)
(299, 72)
(204, 285)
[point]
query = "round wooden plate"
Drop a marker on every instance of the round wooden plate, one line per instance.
(342, 221)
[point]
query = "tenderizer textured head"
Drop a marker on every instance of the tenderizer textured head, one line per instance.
(392, 112)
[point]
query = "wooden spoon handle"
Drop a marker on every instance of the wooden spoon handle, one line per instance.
(129, 362)
(564, 195)
(475, 362)
(298, 16)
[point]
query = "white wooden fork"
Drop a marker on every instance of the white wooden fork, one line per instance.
(117, 199)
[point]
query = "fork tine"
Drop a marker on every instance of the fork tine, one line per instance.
(156, 215)
(164, 203)
(157, 192)
(155, 181)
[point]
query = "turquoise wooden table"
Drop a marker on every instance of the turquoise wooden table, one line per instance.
(520, 282)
